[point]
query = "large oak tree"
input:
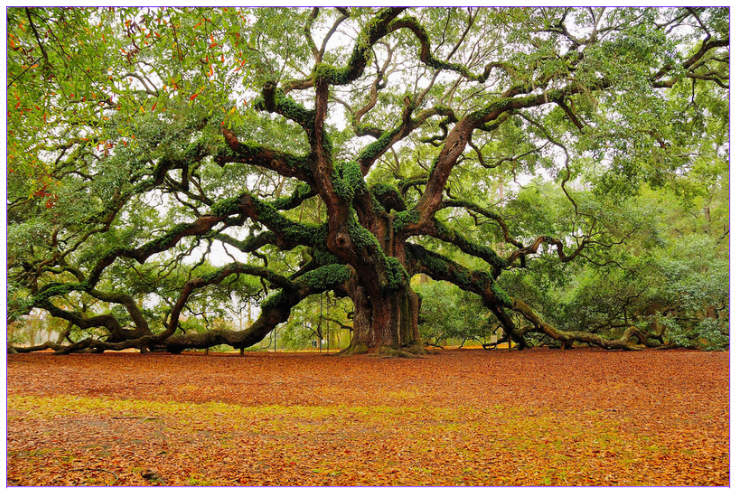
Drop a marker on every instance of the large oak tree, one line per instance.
(340, 149)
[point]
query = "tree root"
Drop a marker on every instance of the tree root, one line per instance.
(405, 352)
(354, 349)
(411, 351)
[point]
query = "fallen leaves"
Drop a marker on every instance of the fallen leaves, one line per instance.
(461, 417)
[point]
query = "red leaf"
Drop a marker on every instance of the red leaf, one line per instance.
(194, 96)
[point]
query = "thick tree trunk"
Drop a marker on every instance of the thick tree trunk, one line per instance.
(386, 324)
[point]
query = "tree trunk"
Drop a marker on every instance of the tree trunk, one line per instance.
(386, 324)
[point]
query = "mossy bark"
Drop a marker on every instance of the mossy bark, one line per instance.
(386, 324)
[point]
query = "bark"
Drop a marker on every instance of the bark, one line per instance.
(65, 333)
(31, 349)
(236, 339)
(567, 338)
(386, 324)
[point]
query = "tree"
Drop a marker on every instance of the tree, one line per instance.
(341, 150)
(669, 277)
(450, 313)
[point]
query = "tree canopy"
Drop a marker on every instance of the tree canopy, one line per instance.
(567, 166)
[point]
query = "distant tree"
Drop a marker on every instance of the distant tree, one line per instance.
(450, 313)
(670, 277)
(345, 150)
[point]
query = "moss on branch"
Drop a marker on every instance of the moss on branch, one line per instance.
(228, 206)
(57, 289)
(361, 55)
(221, 274)
(361, 237)
(268, 215)
(232, 206)
(426, 55)
(446, 234)
(378, 147)
(405, 218)
(301, 193)
(248, 152)
(386, 198)
(348, 180)
(397, 276)
(326, 277)
(274, 100)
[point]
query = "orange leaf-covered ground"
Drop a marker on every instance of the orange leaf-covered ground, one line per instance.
(460, 417)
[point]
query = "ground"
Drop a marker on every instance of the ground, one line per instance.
(474, 417)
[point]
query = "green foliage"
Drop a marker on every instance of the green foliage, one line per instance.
(451, 313)
(294, 336)
(308, 322)
(672, 276)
